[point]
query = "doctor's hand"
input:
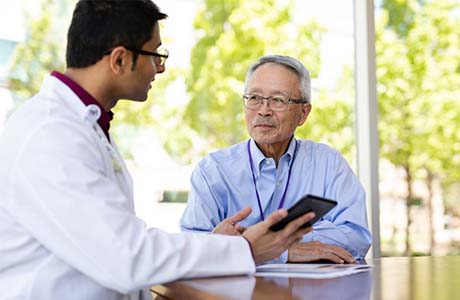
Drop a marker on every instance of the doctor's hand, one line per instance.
(311, 251)
(229, 227)
(267, 244)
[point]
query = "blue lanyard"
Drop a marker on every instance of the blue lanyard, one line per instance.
(254, 179)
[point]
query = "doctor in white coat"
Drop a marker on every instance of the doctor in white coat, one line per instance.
(67, 223)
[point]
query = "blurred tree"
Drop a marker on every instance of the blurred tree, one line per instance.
(418, 70)
(40, 53)
(332, 118)
(402, 16)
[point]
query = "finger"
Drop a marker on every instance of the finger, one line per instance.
(346, 257)
(332, 257)
(241, 215)
(335, 253)
(275, 217)
(295, 224)
(343, 254)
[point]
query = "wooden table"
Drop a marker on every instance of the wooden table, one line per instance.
(395, 278)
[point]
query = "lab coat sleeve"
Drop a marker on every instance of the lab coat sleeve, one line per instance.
(60, 192)
(346, 225)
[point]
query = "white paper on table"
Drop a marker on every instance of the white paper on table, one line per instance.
(310, 270)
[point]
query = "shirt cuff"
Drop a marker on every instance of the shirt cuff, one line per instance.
(282, 259)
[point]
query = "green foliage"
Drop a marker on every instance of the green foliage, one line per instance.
(402, 16)
(40, 53)
(418, 79)
(331, 120)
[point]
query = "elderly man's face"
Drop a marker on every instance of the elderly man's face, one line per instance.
(265, 125)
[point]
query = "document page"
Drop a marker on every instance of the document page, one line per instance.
(310, 270)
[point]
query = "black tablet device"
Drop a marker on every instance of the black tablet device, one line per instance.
(320, 206)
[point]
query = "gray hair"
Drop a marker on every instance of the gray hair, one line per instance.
(289, 62)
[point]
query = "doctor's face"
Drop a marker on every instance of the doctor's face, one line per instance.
(266, 126)
(146, 67)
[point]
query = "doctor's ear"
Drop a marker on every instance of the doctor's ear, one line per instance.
(117, 60)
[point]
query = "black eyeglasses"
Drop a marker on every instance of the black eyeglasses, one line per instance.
(161, 53)
(278, 102)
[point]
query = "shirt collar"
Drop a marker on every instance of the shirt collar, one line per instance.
(87, 99)
(259, 157)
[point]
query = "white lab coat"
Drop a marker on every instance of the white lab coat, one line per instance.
(67, 223)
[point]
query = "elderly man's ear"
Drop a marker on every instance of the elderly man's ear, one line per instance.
(306, 109)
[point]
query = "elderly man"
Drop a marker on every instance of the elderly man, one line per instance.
(274, 169)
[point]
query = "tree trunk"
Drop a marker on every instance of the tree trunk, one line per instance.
(409, 197)
(430, 182)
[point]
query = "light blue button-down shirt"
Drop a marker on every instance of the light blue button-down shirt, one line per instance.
(222, 184)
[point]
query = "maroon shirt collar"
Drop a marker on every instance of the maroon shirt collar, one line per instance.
(87, 99)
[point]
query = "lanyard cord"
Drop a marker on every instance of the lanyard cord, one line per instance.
(254, 179)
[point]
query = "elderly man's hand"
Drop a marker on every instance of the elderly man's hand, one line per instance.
(229, 227)
(311, 251)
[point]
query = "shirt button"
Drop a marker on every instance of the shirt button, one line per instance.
(267, 162)
(93, 112)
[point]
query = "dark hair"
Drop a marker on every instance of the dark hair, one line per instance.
(100, 25)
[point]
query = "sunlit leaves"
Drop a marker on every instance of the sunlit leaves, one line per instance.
(38, 55)
(418, 87)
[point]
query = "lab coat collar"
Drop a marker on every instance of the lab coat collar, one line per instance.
(95, 109)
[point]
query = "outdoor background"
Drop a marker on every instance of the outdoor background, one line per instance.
(196, 107)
